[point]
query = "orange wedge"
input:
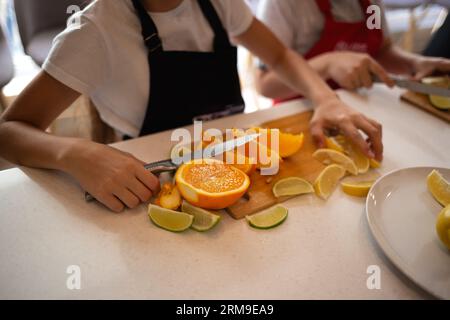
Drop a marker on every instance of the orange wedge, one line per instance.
(239, 161)
(211, 184)
(169, 197)
(289, 144)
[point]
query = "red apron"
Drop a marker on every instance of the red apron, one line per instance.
(344, 36)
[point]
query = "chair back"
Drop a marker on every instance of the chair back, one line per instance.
(34, 16)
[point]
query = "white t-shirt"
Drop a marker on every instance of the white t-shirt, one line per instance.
(105, 58)
(299, 24)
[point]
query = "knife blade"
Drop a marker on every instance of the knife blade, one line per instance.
(416, 86)
(210, 152)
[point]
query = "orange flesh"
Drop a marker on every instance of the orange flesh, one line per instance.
(213, 178)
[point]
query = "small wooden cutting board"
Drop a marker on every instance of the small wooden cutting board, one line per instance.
(302, 165)
(421, 101)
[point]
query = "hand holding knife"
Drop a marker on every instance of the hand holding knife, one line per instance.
(210, 152)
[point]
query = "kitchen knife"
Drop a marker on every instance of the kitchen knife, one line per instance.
(210, 152)
(416, 86)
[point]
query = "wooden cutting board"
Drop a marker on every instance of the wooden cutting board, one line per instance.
(421, 101)
(301, 165)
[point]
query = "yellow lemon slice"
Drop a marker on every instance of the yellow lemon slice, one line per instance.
(443, 226)
(327, 180)
(292, 186)
(329, 156)
(333, 144)
(269, 218)
(439, 187)
(359, 189)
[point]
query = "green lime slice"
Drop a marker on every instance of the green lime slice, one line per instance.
(292, 186)
(170, 220)
(203, 219)
(269, 218)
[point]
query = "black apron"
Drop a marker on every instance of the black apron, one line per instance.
(189, 85)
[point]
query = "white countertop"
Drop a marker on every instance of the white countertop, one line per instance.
(322, 251)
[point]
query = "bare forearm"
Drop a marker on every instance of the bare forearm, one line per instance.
(26, 145)
(398, 61)
(298, 75)
(271, 86)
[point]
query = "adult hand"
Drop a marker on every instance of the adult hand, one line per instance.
(426, 66)
(353, 70)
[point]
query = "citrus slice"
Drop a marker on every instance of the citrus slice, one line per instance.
(239, 161)
(374, 164)
(439, 187)
(289, 144)
(269, 218)
(439, 102)
(329, 156)
(443, 226)
(360, 160)
(211, 184)
(331, 143)
(169, 197)
(203, 220)
(170, 220)
(292, 186)
(327, 180)
(360, 189)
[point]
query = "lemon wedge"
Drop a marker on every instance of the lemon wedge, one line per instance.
(360, 189)
(439, 102)
(327, 180)
(292, 186)
(443, 226)
(170, 220)
(269, 218)
(329, 156)
(439, 187)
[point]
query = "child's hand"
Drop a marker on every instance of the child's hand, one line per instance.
(113, 177)
(353, 70)
(334, 115)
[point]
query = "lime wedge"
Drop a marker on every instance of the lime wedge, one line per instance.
(203, 219)
(269, 218)
(439, 187)
(170, 220)
(292, 186)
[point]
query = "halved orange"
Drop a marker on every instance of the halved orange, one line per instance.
(211, 184)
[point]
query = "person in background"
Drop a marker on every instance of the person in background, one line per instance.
(439, 45)
(333, 36)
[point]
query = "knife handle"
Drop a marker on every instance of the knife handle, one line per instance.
(154, 167)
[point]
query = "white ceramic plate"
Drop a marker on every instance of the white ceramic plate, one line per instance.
(402, 214)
